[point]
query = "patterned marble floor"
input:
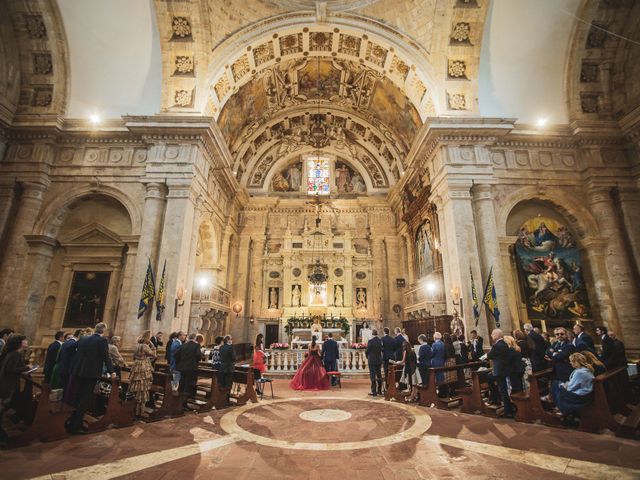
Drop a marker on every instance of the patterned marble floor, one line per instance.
(333, 434)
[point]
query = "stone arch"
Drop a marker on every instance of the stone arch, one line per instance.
(572, 209)
(54, 214)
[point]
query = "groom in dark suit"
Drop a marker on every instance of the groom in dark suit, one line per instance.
(330, 353)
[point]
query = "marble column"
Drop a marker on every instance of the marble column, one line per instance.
(455, 210)
(240, 288)
(597, 282)
(153, 215)
(623, 287)
(30, 297)
(223, 258)
(256, 285)
(15, 253)
(489, 249)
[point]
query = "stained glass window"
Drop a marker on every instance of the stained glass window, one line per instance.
(317, 176)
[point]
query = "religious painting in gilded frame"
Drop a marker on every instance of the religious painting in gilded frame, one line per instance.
(87, 298)
(550, 270)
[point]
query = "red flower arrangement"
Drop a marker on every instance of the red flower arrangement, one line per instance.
(279, 346)
(358, 346)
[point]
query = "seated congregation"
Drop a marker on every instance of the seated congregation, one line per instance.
(526, 376)
(86, 385)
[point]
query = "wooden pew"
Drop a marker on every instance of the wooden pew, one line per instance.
(215, 396)
(428, 394)
(245, 376)
(118, 414)
(391, 391)
(172, 403)
(472, 398)
(598, 415)
(529, 408)
(48, 420)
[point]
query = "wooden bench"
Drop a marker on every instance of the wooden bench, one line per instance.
(599, 414)
(428, 394)
(529, 407)
(118, 414)
(391, 392)
(244, 376)
(171, 405)
(49, 417)
(213, 394)
(472, 397)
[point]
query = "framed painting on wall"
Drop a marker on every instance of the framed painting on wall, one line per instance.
(87, 299)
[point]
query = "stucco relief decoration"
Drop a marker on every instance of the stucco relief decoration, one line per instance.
(457, 101)
(589, 103)
(290, 44)
(181, 28)
(457, 69)
(424, 250)
(349, 45)
(551, 273)
(589, 73)
(184, 65)
(376, 54)
(182, 98)
(222, 87)
(399, 67)
(320, 41)
(240, 67)
(42, 97)
(263, 53)
(461, 32)
(35, 26)
(419, 88)
(42, 64)
(261, 171)
(597, 36)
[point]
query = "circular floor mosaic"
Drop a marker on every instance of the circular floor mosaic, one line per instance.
(347, 424)
(325, 415)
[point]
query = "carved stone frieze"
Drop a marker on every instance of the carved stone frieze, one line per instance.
(457, 69)
(181, 28)
(184, 65)
(35, 26)
(461, 32)
(42, 64)
(457, 101)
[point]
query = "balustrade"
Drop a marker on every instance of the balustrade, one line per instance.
(288, 361)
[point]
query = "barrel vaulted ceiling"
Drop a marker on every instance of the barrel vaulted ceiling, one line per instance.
(371, 71)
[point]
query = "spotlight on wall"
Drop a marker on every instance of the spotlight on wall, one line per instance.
(94, 118)
(202, 281)
(541, 122)
(252, 319)
(431, 288)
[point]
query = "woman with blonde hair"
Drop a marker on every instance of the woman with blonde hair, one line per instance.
(598, 367)
(577, 393)
(141, 375)
(516, 365)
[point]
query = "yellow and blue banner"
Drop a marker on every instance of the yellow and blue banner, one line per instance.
(148, 291)
(160, 294)
(474, 298)
(491, 299)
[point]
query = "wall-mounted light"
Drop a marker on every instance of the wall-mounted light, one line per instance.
(456, 300)
(252, 319)
(237, 308)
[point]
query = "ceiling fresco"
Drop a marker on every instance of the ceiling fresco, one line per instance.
(297, 82)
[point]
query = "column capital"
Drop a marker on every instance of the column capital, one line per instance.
(33, 190)
(155, 190)
(482, 191)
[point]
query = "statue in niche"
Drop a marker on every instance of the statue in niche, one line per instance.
(338, 296)
(357, 183)
(273, 297)
(294, 177)
(361, 297)
(295, 296)
(424, 255)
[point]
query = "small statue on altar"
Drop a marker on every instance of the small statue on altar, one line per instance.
(316, 331)
(295, 296)
(457, 326)
(338, 297)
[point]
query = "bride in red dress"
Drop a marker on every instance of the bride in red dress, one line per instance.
(311, 375)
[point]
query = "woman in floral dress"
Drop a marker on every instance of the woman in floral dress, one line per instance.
(142, 371)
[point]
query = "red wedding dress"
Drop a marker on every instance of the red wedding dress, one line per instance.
(311, 375)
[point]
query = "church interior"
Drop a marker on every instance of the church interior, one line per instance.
(315, 172)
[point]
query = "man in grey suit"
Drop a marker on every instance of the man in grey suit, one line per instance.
(374, 358)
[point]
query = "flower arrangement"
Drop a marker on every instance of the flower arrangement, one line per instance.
(279, 346)
(358, 346)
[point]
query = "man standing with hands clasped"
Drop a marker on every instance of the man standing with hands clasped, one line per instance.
(374, 358)
(330, 354)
